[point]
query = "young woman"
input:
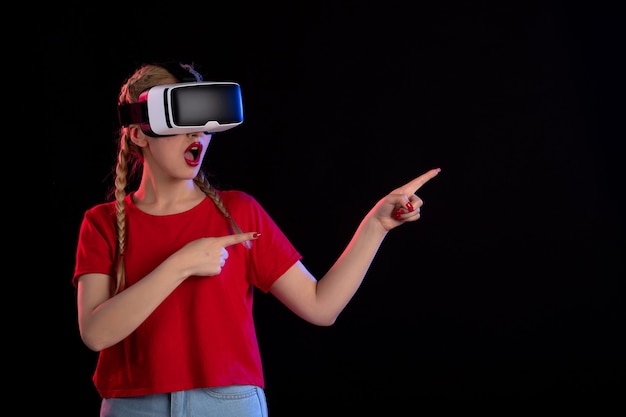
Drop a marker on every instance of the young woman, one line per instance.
(165, 275)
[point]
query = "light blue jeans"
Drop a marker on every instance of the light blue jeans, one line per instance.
(230, 401)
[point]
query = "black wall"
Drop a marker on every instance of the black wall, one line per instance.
(509, 287)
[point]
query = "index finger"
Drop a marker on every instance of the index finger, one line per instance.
(414, 185)
(238, 238)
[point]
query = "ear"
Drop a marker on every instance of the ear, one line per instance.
(137, 136)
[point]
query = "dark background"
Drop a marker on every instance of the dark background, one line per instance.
(508, 288)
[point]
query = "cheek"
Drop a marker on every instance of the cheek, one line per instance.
(162, 150)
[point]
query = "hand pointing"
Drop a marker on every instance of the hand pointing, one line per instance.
(402, 204)
(207, 256)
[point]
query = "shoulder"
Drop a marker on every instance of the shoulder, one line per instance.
(238, 197)
(99, 220)
(100, 211)
(242, 205)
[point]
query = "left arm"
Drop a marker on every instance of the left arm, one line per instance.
(321, 301)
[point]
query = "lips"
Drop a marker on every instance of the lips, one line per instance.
(192, 154)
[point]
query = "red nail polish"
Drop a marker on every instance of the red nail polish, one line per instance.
(409, 206)
(256, 235)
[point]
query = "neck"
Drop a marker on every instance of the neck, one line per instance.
(167, 198)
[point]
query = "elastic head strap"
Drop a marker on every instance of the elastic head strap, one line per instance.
(129, 113)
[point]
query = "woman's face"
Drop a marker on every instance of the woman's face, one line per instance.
(175, 157)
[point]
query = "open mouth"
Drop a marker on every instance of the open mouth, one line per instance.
(192, 154)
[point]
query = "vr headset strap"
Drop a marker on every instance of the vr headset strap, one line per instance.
(138, 112)
(132, 113)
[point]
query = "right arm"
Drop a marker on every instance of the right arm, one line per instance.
(104, 320)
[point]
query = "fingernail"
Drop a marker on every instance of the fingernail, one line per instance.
(409, 206)
(256, 235)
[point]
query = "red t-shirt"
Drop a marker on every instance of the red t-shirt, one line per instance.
(203, 333)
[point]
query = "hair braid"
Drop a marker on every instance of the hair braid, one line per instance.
(202, 181)
(121, 173)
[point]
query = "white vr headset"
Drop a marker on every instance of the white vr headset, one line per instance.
(188, 107)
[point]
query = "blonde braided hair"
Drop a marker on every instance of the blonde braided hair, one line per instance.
(130, 158)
